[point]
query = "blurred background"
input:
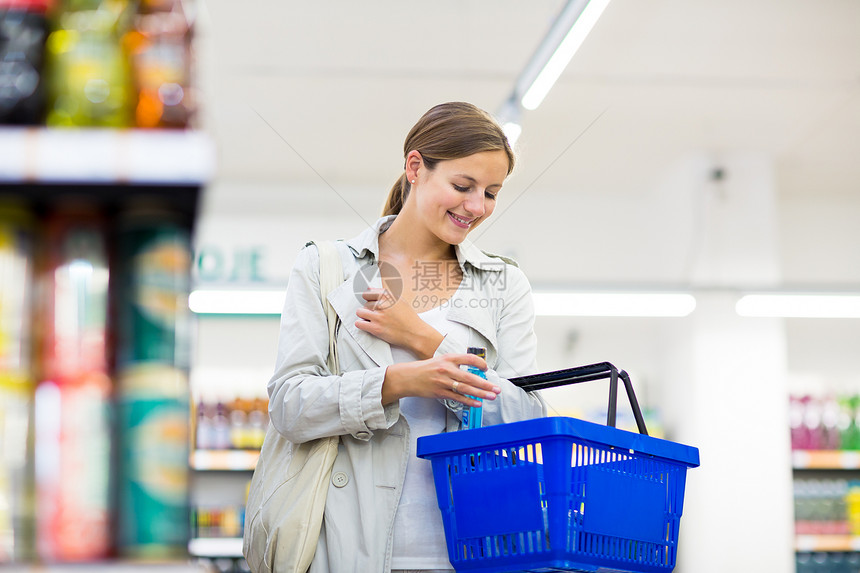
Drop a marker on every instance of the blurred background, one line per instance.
(702, 153)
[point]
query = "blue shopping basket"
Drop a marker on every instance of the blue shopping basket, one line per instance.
(560, 494)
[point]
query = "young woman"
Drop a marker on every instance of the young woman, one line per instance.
(401, 347)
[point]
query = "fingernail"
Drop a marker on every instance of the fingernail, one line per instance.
(497, 390)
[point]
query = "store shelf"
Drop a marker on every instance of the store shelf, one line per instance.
(825, 459)
(111, 566)
(216, 547)
(224, 460)
(827, 543)
(106, 156)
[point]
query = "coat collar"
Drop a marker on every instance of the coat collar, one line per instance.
(365, 246)
(368, 243)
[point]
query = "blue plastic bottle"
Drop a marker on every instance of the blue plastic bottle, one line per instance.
(473, 417)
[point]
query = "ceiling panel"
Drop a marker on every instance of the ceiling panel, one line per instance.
(322, 94)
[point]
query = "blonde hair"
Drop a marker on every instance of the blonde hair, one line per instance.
(448, 131)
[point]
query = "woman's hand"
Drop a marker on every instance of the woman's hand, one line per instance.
(393, 321)
(439, 377)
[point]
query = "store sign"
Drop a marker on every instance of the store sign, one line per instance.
(220, 264)
(256, 252)
(241, 253)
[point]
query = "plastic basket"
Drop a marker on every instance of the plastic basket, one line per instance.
(559, 494)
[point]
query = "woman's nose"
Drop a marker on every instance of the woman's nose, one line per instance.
(475, 204)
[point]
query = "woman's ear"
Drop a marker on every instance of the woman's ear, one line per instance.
(414, 163)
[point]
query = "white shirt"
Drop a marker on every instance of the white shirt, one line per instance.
(419, 536)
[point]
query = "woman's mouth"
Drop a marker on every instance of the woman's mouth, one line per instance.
(461, 222)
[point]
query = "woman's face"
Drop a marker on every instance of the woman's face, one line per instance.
(459, 194)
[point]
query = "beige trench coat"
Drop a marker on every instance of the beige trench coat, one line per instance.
(307, 402)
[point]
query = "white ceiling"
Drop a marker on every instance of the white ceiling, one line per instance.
(319, 95)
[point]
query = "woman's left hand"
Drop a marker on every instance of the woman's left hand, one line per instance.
(394, 321)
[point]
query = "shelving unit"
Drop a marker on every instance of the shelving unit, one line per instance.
(216, 547)
(105, 157)
(224, 460)
(220, 475)
(111, 567)
(825, 459)
(827, 464)
(221, 478)
(827, 542)
(106, 167)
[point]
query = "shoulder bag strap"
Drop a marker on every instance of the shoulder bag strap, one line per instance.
(331, 276)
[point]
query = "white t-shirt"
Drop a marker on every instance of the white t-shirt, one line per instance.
(419, 536)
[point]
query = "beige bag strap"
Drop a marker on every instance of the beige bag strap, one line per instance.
(287, 497)
(331, 277)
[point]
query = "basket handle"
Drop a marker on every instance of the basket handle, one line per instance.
(588, 373)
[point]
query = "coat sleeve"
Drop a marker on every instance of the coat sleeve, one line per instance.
(516, 354)
(306, 401)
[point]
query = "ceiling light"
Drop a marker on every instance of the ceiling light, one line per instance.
(205, 301)
(630, 304)
(512, 132)
(799, 305)
(509, 116)
(557, 49)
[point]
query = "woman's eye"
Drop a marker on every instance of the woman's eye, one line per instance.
(460, 188)
(489, 195)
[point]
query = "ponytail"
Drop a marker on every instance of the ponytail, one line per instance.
(396, 197)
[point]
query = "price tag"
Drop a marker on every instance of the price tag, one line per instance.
(800, 459)
(201, 459)
(849, 460)
(805, 543)
(16, 153)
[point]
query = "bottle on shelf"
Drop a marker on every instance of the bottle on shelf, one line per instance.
(23, 29)
(238, 424)
(159, 44)
(73, 396)
(827, 562)
(830, 417)
(238, 416)
(218, 521)
(152, 359)
(204, 437)
(17, 382)
(221, 425)
(827, 422)
(850, 436)
(852, 506)
(87, 69)
(258, 420)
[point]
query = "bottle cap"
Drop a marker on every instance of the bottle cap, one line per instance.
(477, 351)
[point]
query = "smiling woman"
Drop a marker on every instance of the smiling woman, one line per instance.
(415, 296)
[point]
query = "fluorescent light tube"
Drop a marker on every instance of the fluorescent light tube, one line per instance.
(205, 301)
(512, 132)
(271, 302)
(799, 305)
(582, 15)
(613, 304)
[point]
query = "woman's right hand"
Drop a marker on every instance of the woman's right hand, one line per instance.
(439, 377)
